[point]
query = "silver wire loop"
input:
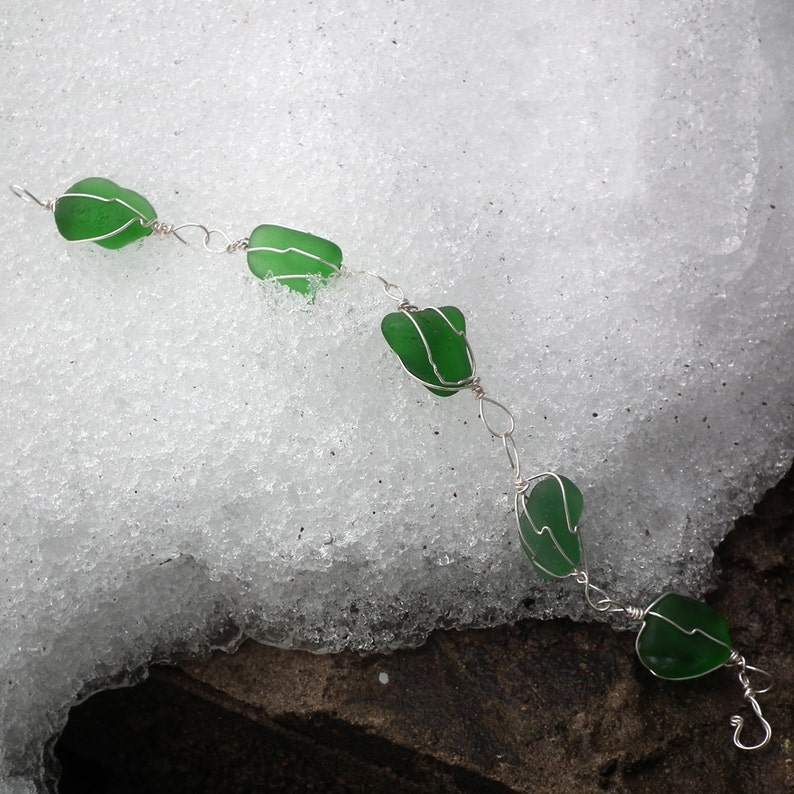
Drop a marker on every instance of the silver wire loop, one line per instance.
(511, 449)
(602, 601)
(228, 245)
(737, 660)
(392, 290)
(480, 393)
(749, 694)
(26, 195)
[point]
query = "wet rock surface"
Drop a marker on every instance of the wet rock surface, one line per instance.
(537, 706)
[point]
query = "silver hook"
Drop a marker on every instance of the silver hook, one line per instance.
(738, 722)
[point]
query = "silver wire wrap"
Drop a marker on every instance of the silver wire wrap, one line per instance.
(749, 694)
(595, 597)
(158, 227)
(334, 268)
(409, 310)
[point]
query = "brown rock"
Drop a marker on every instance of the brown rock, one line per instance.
(534, 707)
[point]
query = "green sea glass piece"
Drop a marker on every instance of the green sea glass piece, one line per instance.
(292, 257)
(431, 344)
(683, 638)
(100, 211)
(547, 520)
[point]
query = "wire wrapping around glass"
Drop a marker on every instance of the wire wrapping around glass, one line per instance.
(432, 346)
(294, 258)
(548, 516)
(96, 210)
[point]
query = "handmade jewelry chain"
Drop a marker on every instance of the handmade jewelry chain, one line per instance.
(679, 637)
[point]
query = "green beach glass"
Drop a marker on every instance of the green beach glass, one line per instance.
(98, 208)
(552, 547)
(291, 257)
(683, 638)
(442, 359)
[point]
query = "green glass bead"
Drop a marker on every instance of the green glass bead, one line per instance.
(548, 517)
(291, 257)
(683, 638)
(100, 211)
(431, 344)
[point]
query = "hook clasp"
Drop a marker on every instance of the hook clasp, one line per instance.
(737, 721)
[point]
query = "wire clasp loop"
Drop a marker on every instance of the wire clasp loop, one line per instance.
(225, 246)
(26, 195)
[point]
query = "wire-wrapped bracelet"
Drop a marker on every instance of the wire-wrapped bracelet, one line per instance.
(678, 637)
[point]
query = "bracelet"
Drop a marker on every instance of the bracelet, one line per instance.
(678, 637)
